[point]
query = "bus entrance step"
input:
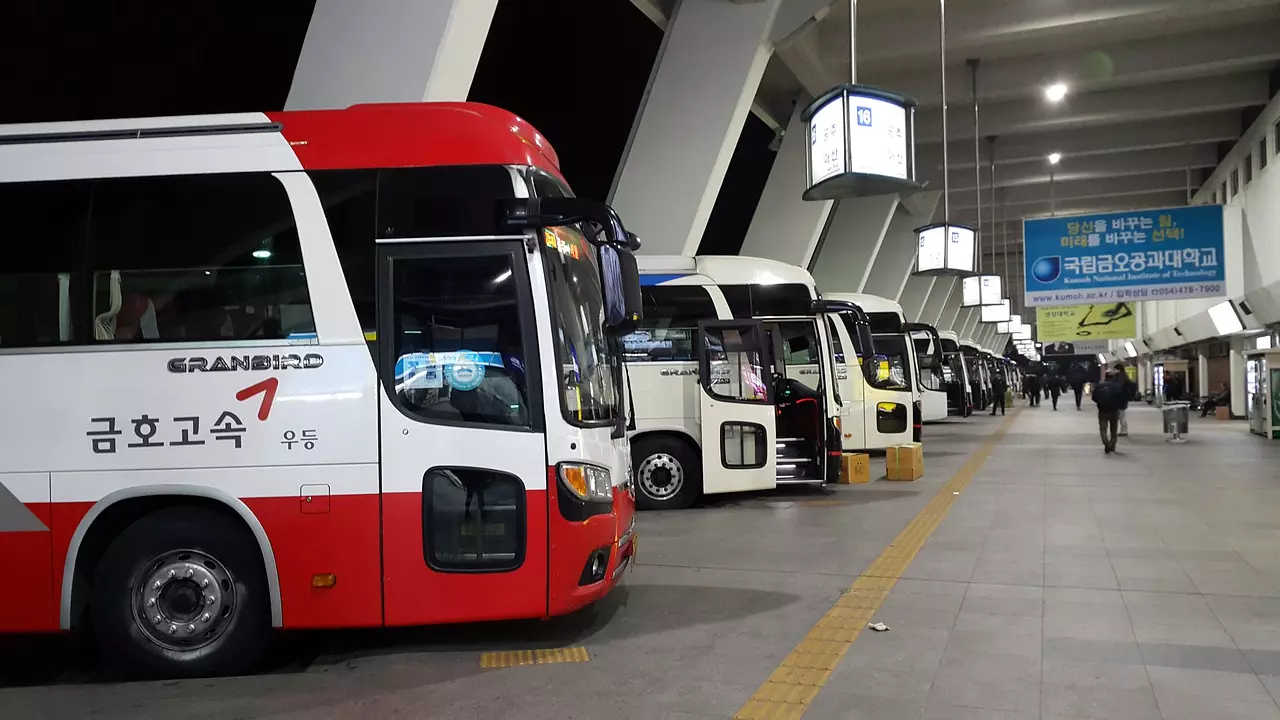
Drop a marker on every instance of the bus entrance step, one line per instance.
(798, 481)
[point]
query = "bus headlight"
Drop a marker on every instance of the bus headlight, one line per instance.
(587, 482)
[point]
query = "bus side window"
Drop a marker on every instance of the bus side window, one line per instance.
(669, 329)
(42, 284)
(457, 338)
(196, 258)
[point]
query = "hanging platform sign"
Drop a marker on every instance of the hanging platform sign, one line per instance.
(971, 291)
(861, 142)
(1170, 254)
(944, 249)
(995, 313)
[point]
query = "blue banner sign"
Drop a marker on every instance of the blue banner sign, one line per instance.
(1170, 254)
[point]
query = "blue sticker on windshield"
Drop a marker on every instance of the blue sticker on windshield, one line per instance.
(465, 372)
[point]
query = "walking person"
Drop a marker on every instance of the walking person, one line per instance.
(1033, 389)
(1130, 389)
(1055, 389)
(1107, 396)
(999, 386)
(1077, 385)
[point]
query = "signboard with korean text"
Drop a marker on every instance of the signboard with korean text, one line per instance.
(877, 137)
(860, 143)
(1170, 254)
(1101, 321)
(971, 291)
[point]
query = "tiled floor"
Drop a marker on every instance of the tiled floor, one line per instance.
(1070, 584)
(1062, 585)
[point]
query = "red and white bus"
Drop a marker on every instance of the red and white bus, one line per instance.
(348, 368)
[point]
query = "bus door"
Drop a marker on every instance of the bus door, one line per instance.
(738, 434)
(852, 388)
(464, 457)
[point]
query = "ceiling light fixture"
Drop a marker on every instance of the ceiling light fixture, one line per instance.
(1054, 158)
(1055, 92)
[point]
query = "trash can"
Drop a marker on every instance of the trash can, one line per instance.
(1177, 420)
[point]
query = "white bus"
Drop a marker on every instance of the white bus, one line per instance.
(931, 378)
(960, 396)
(744, 379)
(341, 368)
(979, 373)
(895, 357)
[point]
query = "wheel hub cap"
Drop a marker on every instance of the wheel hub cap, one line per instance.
(184, 600)
(660, 476)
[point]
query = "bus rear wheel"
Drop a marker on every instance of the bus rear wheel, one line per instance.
(182, 593)
(668, 473)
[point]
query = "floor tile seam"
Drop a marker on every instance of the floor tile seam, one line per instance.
(1239, 649)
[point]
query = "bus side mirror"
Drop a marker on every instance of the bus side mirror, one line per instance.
(621, 276)
(619, 273)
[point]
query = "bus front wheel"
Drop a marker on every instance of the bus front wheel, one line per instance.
(182, 593)
(668, 473)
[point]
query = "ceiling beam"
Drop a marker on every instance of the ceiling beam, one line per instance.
(994, 29)
(1153, 104)
(1123, 64)
(1079, 189)
(1013, 221)
(1141, 162)
(795, 17)
(1079, 142)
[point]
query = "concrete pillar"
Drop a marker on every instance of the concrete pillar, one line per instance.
(968, 322)
(852, 242)
(1202, 375)
(1239, 403)
(389, 51)
(949, 308)
(914, 296)
(1144, 375)
(786, 227)
(701, 89)
(897, 257)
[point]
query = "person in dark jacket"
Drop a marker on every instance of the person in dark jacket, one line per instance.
(1108, 396)
(999, 386)
(1055, 388)
(1033, 389)
(1076, 378)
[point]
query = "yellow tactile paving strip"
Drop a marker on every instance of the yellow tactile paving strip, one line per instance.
(515, 658)
(789, 691)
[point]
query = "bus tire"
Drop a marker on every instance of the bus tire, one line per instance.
(182, 593)
(668, 473)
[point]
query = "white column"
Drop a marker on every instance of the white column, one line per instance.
(389, 51)
(786, 227)
(943, 304)
(1239, 407)
(897, 257)
(1144, 372)
(700, 92)
(1202, 376)
(915, 294)
(851, 243)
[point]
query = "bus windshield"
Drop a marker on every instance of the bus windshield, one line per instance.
(589, 375)
(893, 366)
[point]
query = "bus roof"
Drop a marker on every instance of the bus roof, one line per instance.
(382, 135)
(725, 269)
(869, 303)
